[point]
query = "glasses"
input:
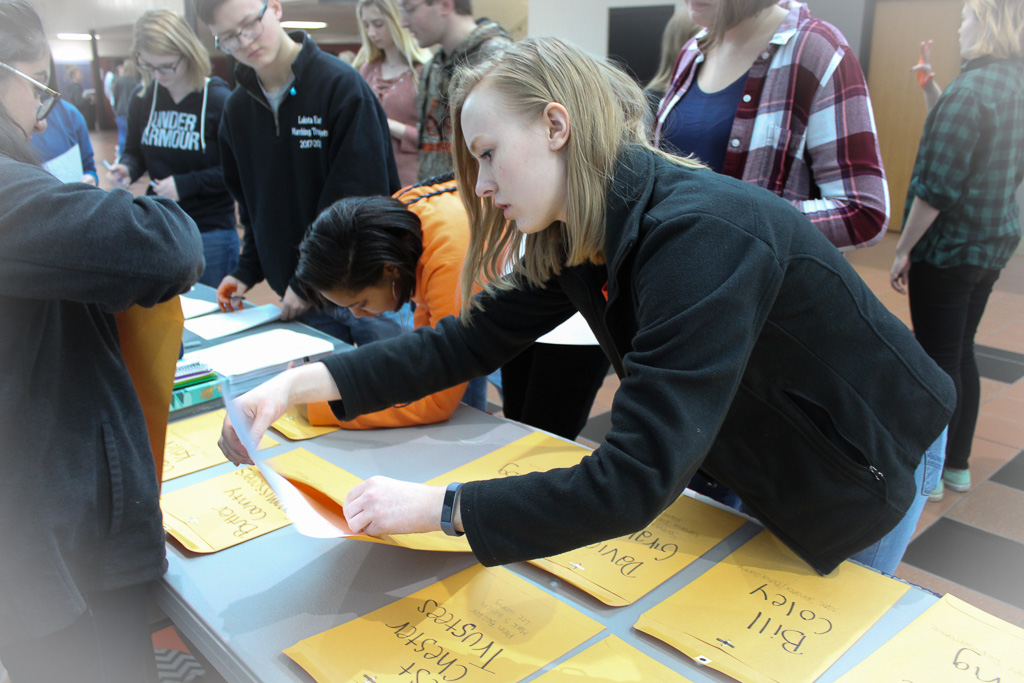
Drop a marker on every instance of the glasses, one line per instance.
(250, 30)
(47, 96)
(162, 69)
(407, 9)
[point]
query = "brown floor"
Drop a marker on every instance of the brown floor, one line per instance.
(992, 511)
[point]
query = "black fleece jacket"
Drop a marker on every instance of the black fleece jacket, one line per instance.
(328, 141)
(747, 346)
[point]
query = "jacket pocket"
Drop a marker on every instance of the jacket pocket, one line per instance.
(807, 482)
(116, 476)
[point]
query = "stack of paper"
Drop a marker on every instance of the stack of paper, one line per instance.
(217, 325)
(262, 354)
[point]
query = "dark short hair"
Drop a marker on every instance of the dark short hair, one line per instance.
(206, 8)
(351, 241)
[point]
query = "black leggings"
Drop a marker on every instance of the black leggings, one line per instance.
(946, 305)
(553, 386)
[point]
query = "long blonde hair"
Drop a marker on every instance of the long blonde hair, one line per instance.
(1000, 29)
(679, 29)
(164, 32)
(411, 52)
(606, 112)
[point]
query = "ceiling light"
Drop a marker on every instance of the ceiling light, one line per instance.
(307, 25)
(75, 36)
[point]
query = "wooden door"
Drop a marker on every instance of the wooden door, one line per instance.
(899, 27)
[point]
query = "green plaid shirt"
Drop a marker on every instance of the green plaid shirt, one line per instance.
(969, 165)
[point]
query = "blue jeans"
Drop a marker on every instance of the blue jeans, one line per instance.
(220, 249)
(886, 553)
(476, 394)
(341, 324)
(122, 132)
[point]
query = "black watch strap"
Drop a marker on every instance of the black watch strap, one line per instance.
(451, 500)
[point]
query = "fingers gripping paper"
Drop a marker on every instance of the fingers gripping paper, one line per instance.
(763, 615)
(478, 625)
(192, 445)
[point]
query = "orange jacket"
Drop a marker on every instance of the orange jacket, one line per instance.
(445, 241)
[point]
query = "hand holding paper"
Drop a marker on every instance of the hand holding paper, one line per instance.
(382, 506)
(266, 403)
(229, 293)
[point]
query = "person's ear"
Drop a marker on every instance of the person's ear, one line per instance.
(276, 9)
(390, 271)
(556, 121)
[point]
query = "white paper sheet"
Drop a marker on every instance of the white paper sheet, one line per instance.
(262, 353)
(306, 519)
(193, 308)
(217, 325)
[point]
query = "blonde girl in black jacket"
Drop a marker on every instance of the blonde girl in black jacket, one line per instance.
(745, 344)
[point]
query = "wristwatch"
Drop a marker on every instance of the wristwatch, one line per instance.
(448, 508)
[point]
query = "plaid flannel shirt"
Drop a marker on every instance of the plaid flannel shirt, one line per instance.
(804, 128)
(969, 165)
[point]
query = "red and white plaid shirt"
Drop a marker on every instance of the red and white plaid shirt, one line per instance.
(804, 128)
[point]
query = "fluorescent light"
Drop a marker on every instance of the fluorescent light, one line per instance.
(75, 36)
(307, 25)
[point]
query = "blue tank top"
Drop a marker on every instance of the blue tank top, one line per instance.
(700, 123)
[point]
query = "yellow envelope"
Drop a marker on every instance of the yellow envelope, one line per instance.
(621, 571)
(535, 452)
(192, 445)
(950, 641)
(478, 625)
(763, 615)
(611, 660)
(324, 482)
(294, 425)
(327, 485)
(221, 512)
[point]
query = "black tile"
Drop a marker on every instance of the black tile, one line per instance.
(597, 427)
(998, 364)
(1012, 473)
(973, 558)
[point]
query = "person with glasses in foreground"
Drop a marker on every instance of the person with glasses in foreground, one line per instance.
(173, 122)
(302, 130)
(80, 522)
(728, 317)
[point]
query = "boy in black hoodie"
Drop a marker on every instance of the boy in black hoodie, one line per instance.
(302, 131)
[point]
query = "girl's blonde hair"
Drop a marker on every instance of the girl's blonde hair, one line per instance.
(606, 111)
(1000, 29)
(679, 29)
(410, 50)
(163, 32)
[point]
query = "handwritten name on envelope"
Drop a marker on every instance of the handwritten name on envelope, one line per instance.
(221, 512)
(295, 426)
(478, 625)
(622, 570)
(763, 615)
(192, 445)
(611, 659)
(950, 641)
